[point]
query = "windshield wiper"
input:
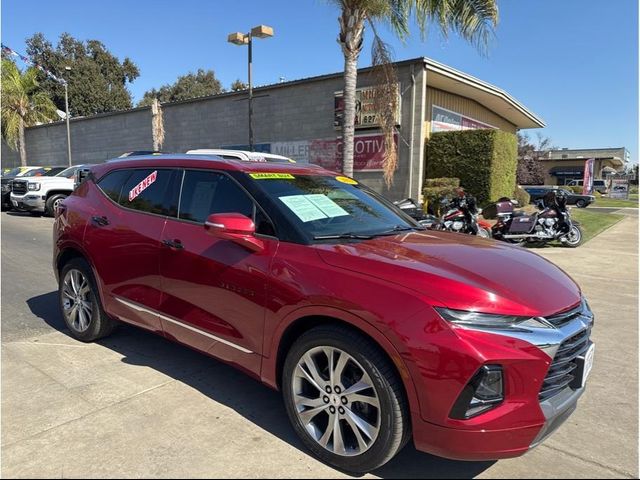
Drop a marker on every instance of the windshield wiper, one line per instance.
(343, 236)
(399, 229)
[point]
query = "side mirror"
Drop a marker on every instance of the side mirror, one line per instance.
(234, 227)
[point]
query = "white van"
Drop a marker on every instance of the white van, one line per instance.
(598, 185)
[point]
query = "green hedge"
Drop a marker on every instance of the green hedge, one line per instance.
(484, 161)
(437, 188)
(522, 196)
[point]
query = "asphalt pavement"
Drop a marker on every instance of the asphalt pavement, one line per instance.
(136, 405)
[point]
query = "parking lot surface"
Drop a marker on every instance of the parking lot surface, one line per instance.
(136, 405)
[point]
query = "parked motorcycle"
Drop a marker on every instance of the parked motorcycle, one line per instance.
(552, 222)
(461, 216)
(414, 210)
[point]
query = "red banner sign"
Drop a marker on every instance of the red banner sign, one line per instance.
(368, 153)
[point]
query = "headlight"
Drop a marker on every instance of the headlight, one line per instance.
(34, 187)
(6, 187)
(487, 320)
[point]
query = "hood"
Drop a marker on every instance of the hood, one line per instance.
(461, 272)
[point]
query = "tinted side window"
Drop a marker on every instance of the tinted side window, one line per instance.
(149, 190)
(111, 184)
(204, 193)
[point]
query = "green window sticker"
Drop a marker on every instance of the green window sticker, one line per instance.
(313, 207)
(326, 205)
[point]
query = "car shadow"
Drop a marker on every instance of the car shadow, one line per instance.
(230, 387)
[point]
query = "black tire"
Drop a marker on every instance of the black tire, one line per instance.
(51, 202)
(100, 324)
(580, 203)
(395, 426)
(575, 237)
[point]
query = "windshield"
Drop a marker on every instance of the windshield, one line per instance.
(14, 172)
(325, 206)
(68, 172)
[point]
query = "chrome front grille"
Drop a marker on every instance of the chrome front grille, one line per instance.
(560, 375)
(19, 187)
(561, 319)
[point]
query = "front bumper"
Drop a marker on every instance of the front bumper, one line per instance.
(533, 407)
(30, 202)
(484, 445)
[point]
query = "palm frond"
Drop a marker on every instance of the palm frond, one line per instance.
(386, 100)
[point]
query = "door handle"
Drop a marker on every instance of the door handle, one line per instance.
(101, 221)
(177, 244)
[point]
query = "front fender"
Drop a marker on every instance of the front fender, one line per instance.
(269, 372)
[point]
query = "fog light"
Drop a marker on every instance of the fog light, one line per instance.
(483, 392)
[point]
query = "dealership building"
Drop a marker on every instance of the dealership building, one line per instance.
(299, 119)
(564, 165)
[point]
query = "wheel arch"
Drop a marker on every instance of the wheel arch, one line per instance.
(273, 366)
(53, 192)
(68, 253)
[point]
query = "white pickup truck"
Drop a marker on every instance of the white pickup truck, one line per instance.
(39, 195)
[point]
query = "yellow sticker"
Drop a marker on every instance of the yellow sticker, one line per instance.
(347, 180)
(277, 176)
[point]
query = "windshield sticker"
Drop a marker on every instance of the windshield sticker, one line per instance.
(347, 180)
(313, 207)
(304, 209)
(267, 176)
(326, 205)
(143, 185)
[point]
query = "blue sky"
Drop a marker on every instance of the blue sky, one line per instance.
(573, 62)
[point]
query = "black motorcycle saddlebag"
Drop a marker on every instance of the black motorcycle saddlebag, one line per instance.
(523, 224)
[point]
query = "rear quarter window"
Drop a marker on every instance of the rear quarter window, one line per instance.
(147, 190)
(112, 183)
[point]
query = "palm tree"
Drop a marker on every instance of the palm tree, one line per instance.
(23, 104)
(473, 20)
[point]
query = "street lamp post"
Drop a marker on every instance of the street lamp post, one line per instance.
(237, 38)
(66, 106)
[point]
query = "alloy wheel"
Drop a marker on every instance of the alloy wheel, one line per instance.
(336, 401)
(574, 236)
(76, 300)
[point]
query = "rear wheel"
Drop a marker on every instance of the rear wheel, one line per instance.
(344, 399)
(52, 203)
(80, 303)
(574, 237)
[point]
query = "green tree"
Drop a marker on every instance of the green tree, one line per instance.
(238, 86)
(192, 85)
(24, 103)
(97, 79)
(473, 20)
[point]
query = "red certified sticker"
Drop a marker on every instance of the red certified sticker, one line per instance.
(143, 185)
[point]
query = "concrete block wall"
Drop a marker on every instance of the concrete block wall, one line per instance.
(282, 113)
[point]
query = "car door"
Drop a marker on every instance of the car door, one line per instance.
(123, 240)
(214, 290)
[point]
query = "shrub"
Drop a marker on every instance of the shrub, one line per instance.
(521, 195)
(436, 189)
(484, 161)
(575, 189)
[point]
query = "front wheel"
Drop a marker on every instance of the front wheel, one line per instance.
(574, 237)
(344, 399)
(52, 203)
(484, 232)
(581, 203)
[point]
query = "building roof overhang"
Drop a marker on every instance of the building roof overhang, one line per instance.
(445, 78)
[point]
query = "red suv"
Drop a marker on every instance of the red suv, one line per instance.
(375, 331)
